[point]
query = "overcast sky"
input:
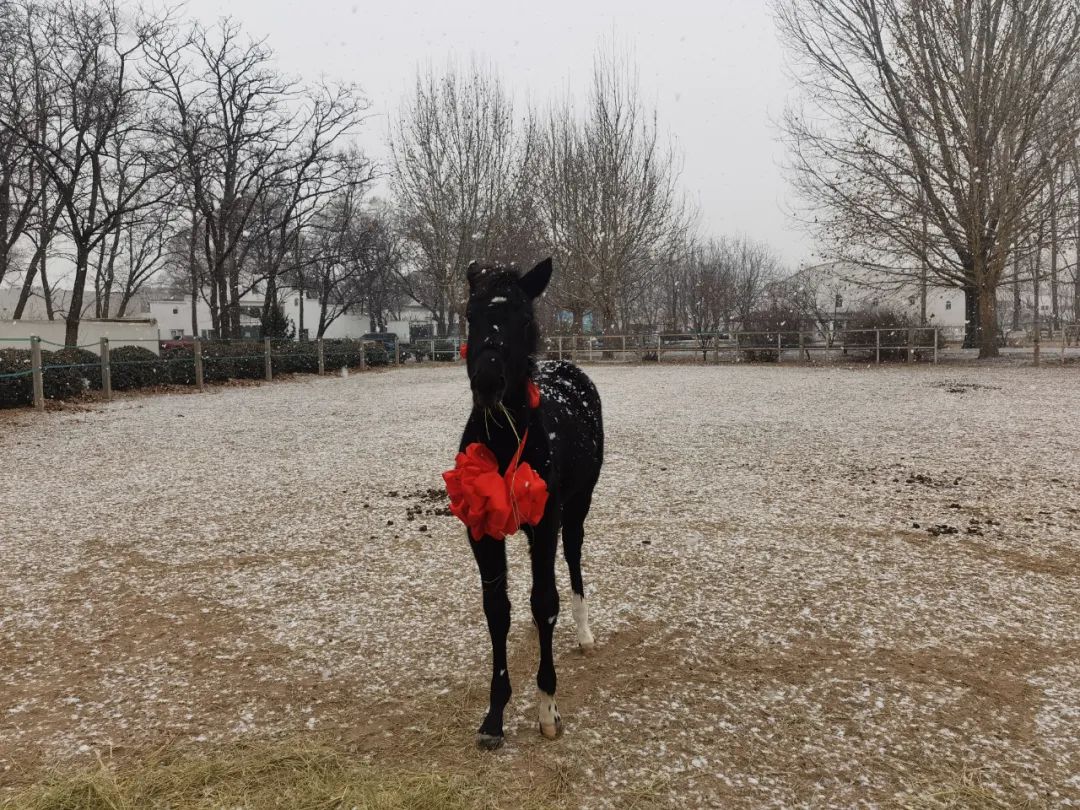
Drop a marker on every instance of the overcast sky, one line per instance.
(713, 68)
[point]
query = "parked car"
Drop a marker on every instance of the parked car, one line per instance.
(176, 343)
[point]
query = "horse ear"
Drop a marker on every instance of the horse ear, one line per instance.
(536, 280)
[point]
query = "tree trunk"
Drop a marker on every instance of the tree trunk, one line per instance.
(1016, 297)
(5, 255)
(1035, 279)
(46, 291)
(74, 314)
(28, 285)
(1076, 302)
(1056, 322)
(193, 271)
(215, 310)
(99, 279)
(987, 307)
(234, 300)
(971, 315)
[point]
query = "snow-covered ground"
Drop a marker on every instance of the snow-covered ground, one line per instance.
(807, 585)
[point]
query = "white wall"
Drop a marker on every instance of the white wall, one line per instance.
(174, 315)
(120, 333)
(944, 305)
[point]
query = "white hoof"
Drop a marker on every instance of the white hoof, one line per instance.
(548, 712)
(580, 610)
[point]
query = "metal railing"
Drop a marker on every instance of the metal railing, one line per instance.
(906, 343)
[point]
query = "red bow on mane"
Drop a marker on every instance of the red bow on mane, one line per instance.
(493, 504)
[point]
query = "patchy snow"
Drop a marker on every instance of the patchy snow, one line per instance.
(807, 586)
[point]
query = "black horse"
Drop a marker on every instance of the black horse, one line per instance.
(565, 445)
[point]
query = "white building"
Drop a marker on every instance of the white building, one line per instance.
(173, 315)
(840, 290)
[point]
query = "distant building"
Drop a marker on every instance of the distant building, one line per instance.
(173, 315)
(839, 289)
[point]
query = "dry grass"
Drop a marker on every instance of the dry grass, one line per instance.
(966, 789)
(299, 776)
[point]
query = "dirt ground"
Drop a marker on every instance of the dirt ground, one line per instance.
(809, 587)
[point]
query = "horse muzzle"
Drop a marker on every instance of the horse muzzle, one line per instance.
(488, 381)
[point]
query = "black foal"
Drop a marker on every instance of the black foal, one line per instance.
(564, 444)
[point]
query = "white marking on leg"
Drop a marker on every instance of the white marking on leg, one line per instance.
(548, 713)
(580, 610)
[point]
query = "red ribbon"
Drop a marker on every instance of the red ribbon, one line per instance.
(493, 504)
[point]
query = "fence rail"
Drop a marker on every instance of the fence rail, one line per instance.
(267, 356)
(910, 344)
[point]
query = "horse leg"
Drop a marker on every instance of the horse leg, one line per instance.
(573, 535)
(545, 609)
(491, 559)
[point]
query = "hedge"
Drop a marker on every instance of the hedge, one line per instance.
(136, 367)
(61, 382)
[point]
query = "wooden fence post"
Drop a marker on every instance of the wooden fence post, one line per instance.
(779, 347)
(363, 355)
(197, 346)
(935, 345)
(659, 348)
(877, 347)
(106, 369)
(269, 360)
(802, 345)
(39, 380)
(911, 344)
(319, 350)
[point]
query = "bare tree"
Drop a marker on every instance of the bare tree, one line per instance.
(710, 291)
(18, 174)
(459, 173)
(609, 198)
(257, 150)
(935, 109)
(95, 142)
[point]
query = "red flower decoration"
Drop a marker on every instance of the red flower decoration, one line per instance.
(493, 504)
(464, 350)
(532, 393)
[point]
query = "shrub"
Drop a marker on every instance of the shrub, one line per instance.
(376, 355)
(135, 367)
(178, 365)
(763, 328)
(233, 361)
(859, 337)
(89, 367)
(295, 358)
(58, 382)
(15, 391)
